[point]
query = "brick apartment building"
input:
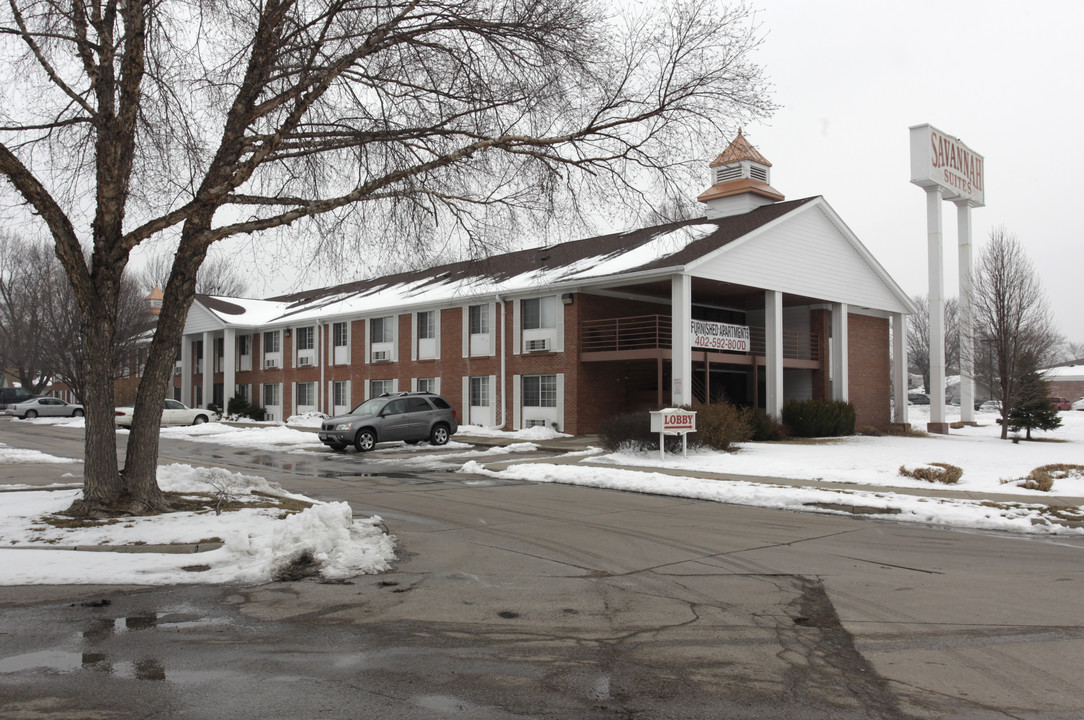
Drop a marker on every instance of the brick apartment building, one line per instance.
(761, 301)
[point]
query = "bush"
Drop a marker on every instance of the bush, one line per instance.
(720, 426)
(934, 472)
(629, 431)
(1042, 478)
(763, 426)
(240, 407)
(819, 418)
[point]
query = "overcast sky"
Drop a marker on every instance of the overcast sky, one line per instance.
(853, 76)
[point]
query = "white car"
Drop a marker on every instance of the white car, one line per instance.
(44, 407)
(990, 406)
(173, 413)
(1077, 404)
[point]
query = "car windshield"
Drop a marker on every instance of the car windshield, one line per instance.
(369, 407)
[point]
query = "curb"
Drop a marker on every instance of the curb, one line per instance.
(171, 549)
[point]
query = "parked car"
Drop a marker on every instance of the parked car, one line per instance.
(11, 395)
(408, 416)
(990, 406)
(44, 407)
(173, 413)
(1078, 404)
(1060, 403)
(918, 398)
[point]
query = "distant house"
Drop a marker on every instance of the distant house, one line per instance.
(1067, 380)
(760, 301)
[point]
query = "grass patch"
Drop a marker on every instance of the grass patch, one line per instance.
(934, 472)
(1042, 478)
(66, 522)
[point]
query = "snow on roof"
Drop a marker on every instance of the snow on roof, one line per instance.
(1065, 372)
(655, 249)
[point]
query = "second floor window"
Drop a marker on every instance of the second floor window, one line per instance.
(426, 326)
(271, 341)
(382, 330)
(479, 319)
(339, 330)
(305, 339)
(540, 313)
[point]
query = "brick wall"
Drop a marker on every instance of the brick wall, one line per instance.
(1068, 389)
(870, 369)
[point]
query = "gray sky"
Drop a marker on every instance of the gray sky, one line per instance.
(1002, 76)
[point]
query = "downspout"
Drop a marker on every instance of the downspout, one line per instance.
(504, 356)
(320, 359)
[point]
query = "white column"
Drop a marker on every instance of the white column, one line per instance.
(773, 352)
(187, 368)
(937, 312)
(967, 347)
(840, 366)
(899, 368)
(681, 356)
(229, 366)
(208, 368)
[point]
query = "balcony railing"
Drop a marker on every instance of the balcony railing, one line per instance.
(648, 332)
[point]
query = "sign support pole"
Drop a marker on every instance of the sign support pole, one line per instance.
(936, 390)
(967, 311)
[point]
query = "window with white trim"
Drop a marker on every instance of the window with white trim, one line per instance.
(540, 313)
(427, 385)
(306, 394)
(380, 387)
(271, 395)
(479, 391)
(341, 391)
(382, 330)
(271, 342)
(539, 391)
(479, 319)
(427, 326)
(305, 338)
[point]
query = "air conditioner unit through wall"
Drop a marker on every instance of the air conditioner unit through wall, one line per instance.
(538, 345)
(271, 364)
(303, 361)
(380, 355)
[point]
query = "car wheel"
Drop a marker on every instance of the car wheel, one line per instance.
(337, 446)
(365, 440)
(77, 413)
(439, 435)
(30, 414)
(200, 419)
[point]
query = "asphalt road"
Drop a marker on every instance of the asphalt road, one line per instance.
(516, 600)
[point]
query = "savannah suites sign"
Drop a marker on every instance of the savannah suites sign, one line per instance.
(720, 336)
(939, 159)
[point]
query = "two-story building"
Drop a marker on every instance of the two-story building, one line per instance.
(760, 301)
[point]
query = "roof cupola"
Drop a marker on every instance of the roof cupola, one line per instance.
(740, 180)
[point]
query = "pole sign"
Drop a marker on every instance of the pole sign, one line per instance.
(938, 158)
(720, 336)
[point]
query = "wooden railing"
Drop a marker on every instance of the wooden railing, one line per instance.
(647, 332)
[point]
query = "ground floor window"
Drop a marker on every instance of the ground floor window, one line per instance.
(479, 391)
(271, 395)
(306, 394)
(380, 387)
(427, 385)
(540, 391)
(341, 390)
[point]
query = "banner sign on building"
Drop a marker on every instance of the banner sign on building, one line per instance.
(938, 158)
(720, 336)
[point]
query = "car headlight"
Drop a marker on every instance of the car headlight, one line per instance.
(344, 426)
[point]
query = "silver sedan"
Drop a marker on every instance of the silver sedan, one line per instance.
(44, 407)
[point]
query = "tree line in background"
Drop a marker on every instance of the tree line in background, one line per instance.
(40, 341)
(1013, 333)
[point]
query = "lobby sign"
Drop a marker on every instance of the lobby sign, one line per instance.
(938, 158)
(720, 336)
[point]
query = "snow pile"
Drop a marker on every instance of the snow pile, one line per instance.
(536, 433)
(20, 456)
(308, 419)
(257, 543)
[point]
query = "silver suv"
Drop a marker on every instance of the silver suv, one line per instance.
(408, 416)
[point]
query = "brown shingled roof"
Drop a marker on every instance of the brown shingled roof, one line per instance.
(737, 151)
(508, 265)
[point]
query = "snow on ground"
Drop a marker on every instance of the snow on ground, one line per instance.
(20, 456)
(536, 433)
(257, 542)
(984, 457)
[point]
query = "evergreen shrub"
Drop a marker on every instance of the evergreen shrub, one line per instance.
(720, 426)
(819, 418)
(763, 426)
(240, 407)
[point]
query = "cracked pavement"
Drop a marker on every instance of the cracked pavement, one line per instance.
(514, 600)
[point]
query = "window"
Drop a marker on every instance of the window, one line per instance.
(242, 392)
(539, 391)
(306, 393)
(271, 341)
(382, 330)
(427, 385)
(271, 395)
(417, 404)
(341, 391)
(479, 319)
(379, 387)
(339, 331)
(305, 339)
(426, 326)
(244, 344)
(395, 407)
(479, 392)
(540, 313)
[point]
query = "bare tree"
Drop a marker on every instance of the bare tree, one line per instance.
(1012, 320)
(406, 117)
(40, 320)
(216, 276)
(918, 338)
